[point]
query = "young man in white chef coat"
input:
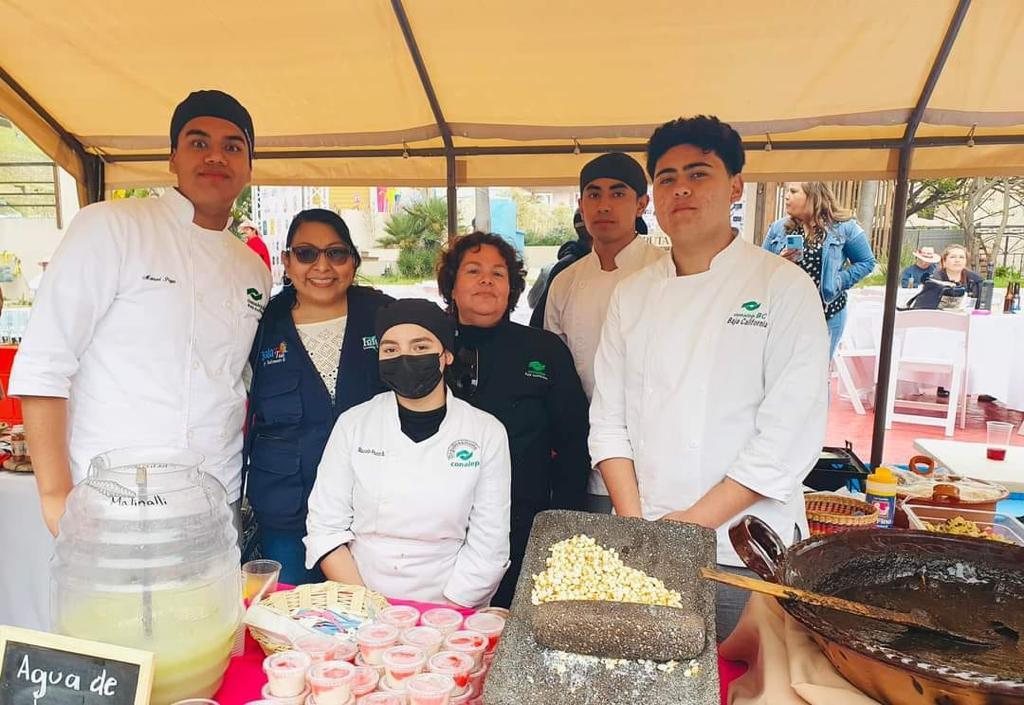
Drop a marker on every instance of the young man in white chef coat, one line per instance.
(613, 196)
(412, 496)
(712, 371)
(142, 325)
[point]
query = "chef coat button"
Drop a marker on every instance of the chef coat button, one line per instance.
(199, 297)
(693, 444)
(227, 303)
(195, 365)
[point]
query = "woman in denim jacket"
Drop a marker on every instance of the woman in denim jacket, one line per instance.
(824, 240)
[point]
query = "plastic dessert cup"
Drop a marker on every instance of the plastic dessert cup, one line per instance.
(331, 682)
(382, 698)
(286, 673)
(297, 700)
(401, 616)
(444, 619)
(467, 642)
(320, 647)
(490, 625)
(344, 650)
(364, 680)
(455, 665)
(426, 638)
(374, 640)
(311, 701)
(402, 662)
(428, 689)
(476, 681)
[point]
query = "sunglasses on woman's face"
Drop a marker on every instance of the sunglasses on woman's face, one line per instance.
(308, 254)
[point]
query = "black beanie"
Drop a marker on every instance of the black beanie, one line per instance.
(216, 104)
(615, 165)
(420, 312)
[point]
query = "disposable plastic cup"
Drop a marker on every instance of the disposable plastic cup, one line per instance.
(463, 699)
(998, 439)
(344, 650)
(256, 574)
(320, 647)
(364, 680)
(402, 662)
(427, 638)
(286, 673)
(311, 701)
(401, 616)
(382, 698)
(197, 701)
(428, 689)
(456, 666)
(444, 619)
(297, 700)
(468, 642)
(490, 625)
(500, 611)
(331, 682)
(476, 681)
(374, 640)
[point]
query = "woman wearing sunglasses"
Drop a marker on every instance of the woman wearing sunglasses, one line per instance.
(523, 376)
(315, 356)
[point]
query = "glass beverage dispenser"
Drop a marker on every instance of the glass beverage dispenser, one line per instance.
(147, 557)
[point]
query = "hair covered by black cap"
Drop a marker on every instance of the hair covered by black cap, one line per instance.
(419, 312)
(212, 103)
(615, 165)
(706, 132)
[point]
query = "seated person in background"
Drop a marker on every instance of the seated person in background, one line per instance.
(953, 268)
(412, 496)
(925, 262)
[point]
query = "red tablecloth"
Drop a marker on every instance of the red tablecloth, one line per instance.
(244, 678)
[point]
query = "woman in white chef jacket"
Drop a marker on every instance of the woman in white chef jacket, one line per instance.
(412, 495)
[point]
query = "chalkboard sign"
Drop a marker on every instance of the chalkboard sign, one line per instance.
(37, 668)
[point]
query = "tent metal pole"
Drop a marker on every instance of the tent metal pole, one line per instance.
(66, 137)
(435, 108)
(899, 218)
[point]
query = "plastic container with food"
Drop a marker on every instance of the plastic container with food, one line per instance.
(286, 673)
(401, 616)
(426, 638)
(402, 662)
(331, 682)
(960, 521)
(374, 640)
(444, 619)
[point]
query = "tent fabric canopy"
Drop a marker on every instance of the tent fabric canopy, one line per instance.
(336, 97)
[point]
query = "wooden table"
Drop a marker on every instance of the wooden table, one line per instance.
(968, 460)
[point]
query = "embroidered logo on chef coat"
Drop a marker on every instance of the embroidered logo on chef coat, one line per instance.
(463, 453)
(253, 296)
(274, 355)
(370, 342)
(536, 368)
(749, 315)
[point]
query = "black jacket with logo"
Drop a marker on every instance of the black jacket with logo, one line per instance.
(527, 380)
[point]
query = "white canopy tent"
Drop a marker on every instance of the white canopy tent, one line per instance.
(481, 92)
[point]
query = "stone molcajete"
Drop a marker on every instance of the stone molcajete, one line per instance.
(649, 654)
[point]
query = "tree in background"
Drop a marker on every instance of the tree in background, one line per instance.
(541, 223)
(417, 231)
(242, 210)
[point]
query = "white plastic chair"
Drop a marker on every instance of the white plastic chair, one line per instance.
(930, 343)
(860, 341)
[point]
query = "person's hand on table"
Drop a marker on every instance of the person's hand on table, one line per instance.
(791, 254)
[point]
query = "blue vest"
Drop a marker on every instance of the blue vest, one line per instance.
(290, 411)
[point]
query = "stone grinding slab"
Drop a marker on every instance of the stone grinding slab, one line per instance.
(526, 672)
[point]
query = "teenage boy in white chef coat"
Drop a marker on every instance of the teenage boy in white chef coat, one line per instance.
(142, 326)
(712, 372)
(413, 493)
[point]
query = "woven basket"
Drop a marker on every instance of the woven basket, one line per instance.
(353, 599)
(833, 513)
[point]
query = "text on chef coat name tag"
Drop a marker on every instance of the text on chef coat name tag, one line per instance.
(37, 668)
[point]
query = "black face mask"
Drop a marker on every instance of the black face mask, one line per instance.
(411, 376)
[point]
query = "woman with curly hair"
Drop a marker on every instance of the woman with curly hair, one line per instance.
(523, 376)
(824, 240)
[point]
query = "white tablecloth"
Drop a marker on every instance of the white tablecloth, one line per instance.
(25, 548)
(995, 349)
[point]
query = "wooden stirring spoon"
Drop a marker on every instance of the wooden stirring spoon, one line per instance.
(918, 620)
